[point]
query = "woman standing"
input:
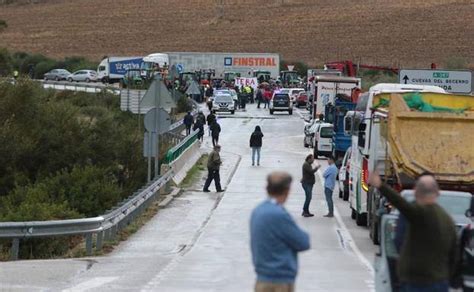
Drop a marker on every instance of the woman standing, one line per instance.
(256, 144)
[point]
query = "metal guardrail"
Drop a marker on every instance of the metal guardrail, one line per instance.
(177, 150)
(102, 228)
(73, 86)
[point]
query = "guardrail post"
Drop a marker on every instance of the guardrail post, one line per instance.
(107, 235)
(15, 249)
(100, 240)
(89, 244)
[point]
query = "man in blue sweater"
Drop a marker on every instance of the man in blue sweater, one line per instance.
(276, 239)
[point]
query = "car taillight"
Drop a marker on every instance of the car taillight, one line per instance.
(365, 174)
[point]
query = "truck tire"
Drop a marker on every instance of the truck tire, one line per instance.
(353, 214)
(340, 194)
(361, 219)
(290, 112)
(271, 112)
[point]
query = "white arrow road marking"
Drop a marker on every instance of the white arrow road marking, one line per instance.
(91, 284)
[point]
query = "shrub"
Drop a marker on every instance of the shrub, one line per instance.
(3, 25)
(184, 104)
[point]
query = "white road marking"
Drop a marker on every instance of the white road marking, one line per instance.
(347, 235)
(91, 284)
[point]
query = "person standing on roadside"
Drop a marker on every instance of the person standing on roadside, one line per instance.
(188, 122)
(215, 131)
(256, 144)
(307, 182)
(213, 165)
(329, 176)
(199, 126)
(275, 239)
(211, 118)
(429, 250)
(259, 97)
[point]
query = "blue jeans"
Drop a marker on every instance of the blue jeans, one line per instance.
(434, 287)
(256, 150)
(308, 192)
(328, 192)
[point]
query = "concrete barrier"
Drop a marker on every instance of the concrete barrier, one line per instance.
(184, 162)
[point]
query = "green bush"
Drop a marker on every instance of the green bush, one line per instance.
(184, 105)
(3, 25)
(22, 62)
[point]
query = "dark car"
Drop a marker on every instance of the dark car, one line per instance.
(281, 102)
(57, 74)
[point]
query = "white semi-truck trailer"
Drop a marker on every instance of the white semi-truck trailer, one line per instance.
(243, 63)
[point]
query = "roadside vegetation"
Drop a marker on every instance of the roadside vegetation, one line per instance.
(22, 62)
(64, 155)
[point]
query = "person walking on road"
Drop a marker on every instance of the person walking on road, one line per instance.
(429, 251)
(213, 165)
(275, 239)
(256, 144)
(329, 176)
(199, 125)
(307, 182)
(215, 131)
(259, 97)
(211, 118)
(267, 96)
(188, 122)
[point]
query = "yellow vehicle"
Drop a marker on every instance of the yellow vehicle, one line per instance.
(415, 133)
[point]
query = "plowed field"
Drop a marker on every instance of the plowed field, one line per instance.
(383, 32)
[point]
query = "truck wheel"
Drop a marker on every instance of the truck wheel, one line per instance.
(232, 112)
(290, 112)
(340, 194)
(353, 214)
(271, 112)
(361, 219)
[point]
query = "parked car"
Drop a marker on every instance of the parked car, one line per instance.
(344, 176)
(230, 92)
(294, 92)
(83, 75)
(57, 74)
(454, 203)
(309, 129)
(302, 99)
(223, 103)
(281, 102)
(323, 145)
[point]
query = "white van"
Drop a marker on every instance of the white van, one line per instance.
(323, 140)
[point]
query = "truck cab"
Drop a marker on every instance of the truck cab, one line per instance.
(361, 143)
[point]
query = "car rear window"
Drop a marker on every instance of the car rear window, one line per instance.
(281, 97)
(326, 132)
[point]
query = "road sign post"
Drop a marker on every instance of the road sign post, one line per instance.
(453, 81)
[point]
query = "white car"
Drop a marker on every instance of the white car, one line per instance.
(294, 92)
(323, 140)
(223, 103)
(83, 76)
(344, 176)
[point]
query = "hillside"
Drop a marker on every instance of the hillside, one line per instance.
(385, 32)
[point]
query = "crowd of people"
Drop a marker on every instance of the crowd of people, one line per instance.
(276, 239)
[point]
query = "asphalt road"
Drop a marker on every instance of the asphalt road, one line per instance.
(200, 242)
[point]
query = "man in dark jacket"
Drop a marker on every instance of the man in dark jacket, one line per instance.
(429, 251)
(259, 97)
(188, 122)
(215, 131)
(307, 182)
(211, 118)
(256, 144)
(213, 165)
